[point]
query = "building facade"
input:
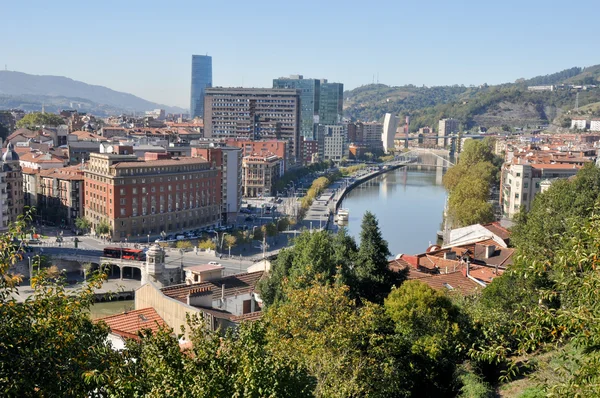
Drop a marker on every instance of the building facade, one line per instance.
(146, 197)
(331, 102)
(579, 124)
(11, 187)
(595, 125)
(521, 182)
(446, 127)
(61, 195)
(254, 114)
(201, 80)
(250, 147)
(310, 151)
(310, 97)
(259, 172)
(333, 142)
(390, 124)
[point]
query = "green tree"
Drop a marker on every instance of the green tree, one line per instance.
(438, 333)
(207, 244)
(50, 331)
(103, 228)
(184, 244)
(82, 223)
(350, 351)
(38, 119)
(372, 277)
(4, 132)
(283, 224)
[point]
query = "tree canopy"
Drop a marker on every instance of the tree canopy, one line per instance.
(38, 119)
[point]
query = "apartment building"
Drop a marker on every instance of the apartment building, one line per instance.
(259, 172)
(579, 123)
(60, 195)
(521, 182)
(310, 151)
(446, 127)
(141, 198)
(333, 142)
(250, 147)
(595, 125)
(254, 114)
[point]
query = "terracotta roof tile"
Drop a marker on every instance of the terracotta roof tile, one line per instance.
(234, 284)
(132, 322)
(452, 281)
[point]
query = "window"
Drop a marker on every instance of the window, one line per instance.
(537, 185)
(524, 196)
(135, 191)
(122, 211)
(153, 189)
(516, 196)
(526, 185)
(122, 191)
(122, 201)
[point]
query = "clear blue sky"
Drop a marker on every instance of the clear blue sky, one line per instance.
(145, 47)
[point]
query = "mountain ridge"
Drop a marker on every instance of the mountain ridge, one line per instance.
(57, 88)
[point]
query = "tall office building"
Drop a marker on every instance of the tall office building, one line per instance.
(201, 79)
(309, 101)
(255, 114)
(390, 124)
(331, 103)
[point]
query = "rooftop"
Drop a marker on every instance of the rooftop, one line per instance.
(128, 324)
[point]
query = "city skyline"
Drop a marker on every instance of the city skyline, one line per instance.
(420, 44)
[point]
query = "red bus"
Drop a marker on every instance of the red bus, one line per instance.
(125, 253)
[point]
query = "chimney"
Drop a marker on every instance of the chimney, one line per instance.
(468, 267)
(490, 250)
(450, 255)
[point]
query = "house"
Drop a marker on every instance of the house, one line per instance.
(128, 324)
(479, 232)
(222, 302)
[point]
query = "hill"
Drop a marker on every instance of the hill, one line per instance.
(505, 106)
(54, 91)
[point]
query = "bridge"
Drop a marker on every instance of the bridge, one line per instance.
(415, 157)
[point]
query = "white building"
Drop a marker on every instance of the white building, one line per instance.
(521, 182)
(446, 127)
(390, 124)
(595, 125)
(579, 124)
(333, 142)
(540, 88)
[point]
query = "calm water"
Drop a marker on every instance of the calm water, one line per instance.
(409, 205)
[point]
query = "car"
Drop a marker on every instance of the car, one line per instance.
(248, 219)
(159, 240)
(180, 237)
(213, 263)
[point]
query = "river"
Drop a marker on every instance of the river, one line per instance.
(409, 205)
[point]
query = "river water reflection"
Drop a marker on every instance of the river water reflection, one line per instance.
(409, 205)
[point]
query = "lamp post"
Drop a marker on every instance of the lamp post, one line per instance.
(148, 238)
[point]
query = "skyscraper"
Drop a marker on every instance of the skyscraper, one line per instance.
(309, 101)
(331, 103)
(201, 79)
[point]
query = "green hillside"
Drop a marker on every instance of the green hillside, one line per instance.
(505, 106)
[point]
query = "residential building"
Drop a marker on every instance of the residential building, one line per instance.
(333, 142)
(40, 160)
(540, 88)
(250, 147)
(372, 135)
(310, 96)
(521, 182)
(254, 114)
(331, 102)
(146, 197)
(310, 151)
(61, 195)
(390, 124)
(220, 302)
(595, 125)
(231, 192)
(201, 80)
(446, 127)
(80, 151)
(11, 187)
(259, 172)
(579, 123)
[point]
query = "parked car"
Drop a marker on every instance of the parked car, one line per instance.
(180, 237)
(213, 263)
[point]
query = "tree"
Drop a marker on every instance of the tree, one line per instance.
(258, 233)
(50, 331)
(4, 132)
(184, 244)
(283, 224)
(103, 228)
(234, 364)
(373, 279)
(436, 329)
(38, 119)
(351, 351)
(230, 241)
(270, 230)
(82, 223)
(207, 244)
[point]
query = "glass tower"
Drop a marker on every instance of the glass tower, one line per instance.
(309, 101)
(201, 79)
(331, 103)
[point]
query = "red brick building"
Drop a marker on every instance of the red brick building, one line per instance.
(309, 151)
(264, 147)
(145, 197)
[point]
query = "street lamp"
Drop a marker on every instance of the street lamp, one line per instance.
(148, 238)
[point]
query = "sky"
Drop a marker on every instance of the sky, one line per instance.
(145, 47)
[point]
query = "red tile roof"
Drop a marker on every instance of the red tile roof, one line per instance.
(128, 324)
(234, 284)
(452, 281)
